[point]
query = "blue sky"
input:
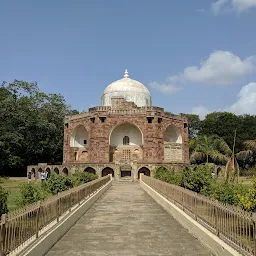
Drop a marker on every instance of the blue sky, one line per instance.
(194, 56)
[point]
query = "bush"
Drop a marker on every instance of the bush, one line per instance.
(3, 179)
(248, 200)
(168, 175)
(58, 183)
(200, 180)
(82, 177)
(31, 193)
(3, 201)
(227, 193)
(196, 179)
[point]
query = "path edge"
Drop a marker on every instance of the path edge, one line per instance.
(207, 238)
(43, 245)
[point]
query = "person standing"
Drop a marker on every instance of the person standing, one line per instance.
(29, 177)
(43, 177)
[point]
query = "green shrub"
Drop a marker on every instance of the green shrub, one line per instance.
(30, 193)
(196, 179)
(82, 177)
(227, 193)
(248, 200)
(58, 183)
(3, 179)
(3, 201)
(168, 175)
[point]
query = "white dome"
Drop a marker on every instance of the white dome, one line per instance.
(128, 88)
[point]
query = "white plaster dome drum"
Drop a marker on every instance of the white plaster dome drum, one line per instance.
(129, 89)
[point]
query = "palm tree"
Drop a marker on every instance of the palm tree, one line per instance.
(211, 148)
(250, 150)
(216, 150)
(251, 145)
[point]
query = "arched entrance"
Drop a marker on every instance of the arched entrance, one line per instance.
(48, 172)
(33, 172)
(106, 171)
(126, 134)
(90, 170)
(143, 170)
(65, 171)
(56, 170)
(219, 171)
(124, 139)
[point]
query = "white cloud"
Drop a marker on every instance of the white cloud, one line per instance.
(220, 68)
(165, 88)
(201, 111)
(246, 102)
(235, 5)
(218, 5)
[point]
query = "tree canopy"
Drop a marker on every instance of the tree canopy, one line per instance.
(223, 125)
(31, 127)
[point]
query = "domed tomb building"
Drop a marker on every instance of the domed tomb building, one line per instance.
(125, 136)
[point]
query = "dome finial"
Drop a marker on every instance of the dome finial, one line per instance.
(126, 74)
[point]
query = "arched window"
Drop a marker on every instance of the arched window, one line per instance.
(126, 140)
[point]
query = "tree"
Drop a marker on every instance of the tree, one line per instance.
(209, 149)
(251, 144)
(223, 124)
(31, 126)
(194, 125)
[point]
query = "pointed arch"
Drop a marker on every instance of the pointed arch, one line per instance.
(126, 129)
(56, 170)
(65, 171)
(126, 140)
(79, 137)
(90, 170)
(172, 134)
(106, 171)
(143, 170)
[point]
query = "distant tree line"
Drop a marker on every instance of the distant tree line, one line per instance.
(222, 125)
(31, 127)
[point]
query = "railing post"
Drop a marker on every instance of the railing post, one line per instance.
(195, 207)
(38, 219)
(216, 219)
(58, 207)
(69, 201)
(254, 237)
(183, 200)
(2, 234)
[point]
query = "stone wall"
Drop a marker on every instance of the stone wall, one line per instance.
(67, 169)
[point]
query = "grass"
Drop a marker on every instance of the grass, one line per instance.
(246, 180)
(12, 186)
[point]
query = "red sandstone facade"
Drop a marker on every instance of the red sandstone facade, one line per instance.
(100, 122)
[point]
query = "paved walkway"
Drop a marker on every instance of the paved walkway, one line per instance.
(126, 221)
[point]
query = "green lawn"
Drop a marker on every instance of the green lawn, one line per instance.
(246, 180)
(12, 186)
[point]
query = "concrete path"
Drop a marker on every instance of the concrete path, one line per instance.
(126, 221)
